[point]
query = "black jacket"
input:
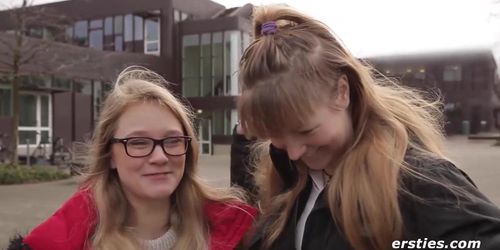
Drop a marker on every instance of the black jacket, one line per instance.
(441, 216)
(241, 172)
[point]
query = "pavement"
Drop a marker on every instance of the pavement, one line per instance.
(24, 206)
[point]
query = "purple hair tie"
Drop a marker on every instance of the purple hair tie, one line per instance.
(269, 28)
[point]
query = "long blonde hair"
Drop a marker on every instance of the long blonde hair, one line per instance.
(136, 85)
(284, 76)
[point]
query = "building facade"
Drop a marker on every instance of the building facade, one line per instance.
(466, 80)
(195, 44)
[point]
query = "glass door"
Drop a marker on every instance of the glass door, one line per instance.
(205, 136)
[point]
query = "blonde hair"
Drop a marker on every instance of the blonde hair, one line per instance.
(136, 85)
(284, 77)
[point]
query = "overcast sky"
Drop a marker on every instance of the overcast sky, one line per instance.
(379, 27)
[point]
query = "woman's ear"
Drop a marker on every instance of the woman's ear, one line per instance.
(343, 96)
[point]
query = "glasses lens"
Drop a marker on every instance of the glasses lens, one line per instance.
(138, 147)
(175, 145)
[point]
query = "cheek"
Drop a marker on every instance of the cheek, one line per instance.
(123, 162)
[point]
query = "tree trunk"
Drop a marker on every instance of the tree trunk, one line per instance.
(16, 80)
(15, 118)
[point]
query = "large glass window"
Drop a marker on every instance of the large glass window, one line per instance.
(27, 106)
(221, 121)
(61, 83)
(118, 25)
(118, 43)
(108, 26)
(232, 52)
(129, 28)
(36, 81)
(44, 108)
(191, 65)
(218, 122)
(96, 24)
(5, 99)
(206, 65)
(81, 33)
(218, 64)
(210, 63)
(96, 39)
(152, 34)
(138, 28)
(82, 86)
(452, 73)
(34, 118)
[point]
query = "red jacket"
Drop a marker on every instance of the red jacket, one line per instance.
(71, 225)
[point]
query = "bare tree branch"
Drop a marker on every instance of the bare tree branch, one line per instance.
(6, 43)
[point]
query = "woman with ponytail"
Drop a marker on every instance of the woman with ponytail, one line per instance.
(347, 159)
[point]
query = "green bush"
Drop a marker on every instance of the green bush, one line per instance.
(22, 174)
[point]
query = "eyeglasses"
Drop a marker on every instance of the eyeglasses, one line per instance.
(138, 147)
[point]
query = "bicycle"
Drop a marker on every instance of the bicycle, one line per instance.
(61, 156)
(5, 151)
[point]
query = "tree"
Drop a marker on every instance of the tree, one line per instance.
(18, 51)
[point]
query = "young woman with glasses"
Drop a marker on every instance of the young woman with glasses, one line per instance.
(142, 189)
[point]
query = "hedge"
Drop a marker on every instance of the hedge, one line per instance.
(24, 174)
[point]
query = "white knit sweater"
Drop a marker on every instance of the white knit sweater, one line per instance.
(164, 242)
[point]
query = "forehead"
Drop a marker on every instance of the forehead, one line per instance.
(147, 119)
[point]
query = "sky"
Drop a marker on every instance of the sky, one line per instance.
(388, 27)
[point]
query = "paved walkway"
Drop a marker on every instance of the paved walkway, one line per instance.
(24, 206)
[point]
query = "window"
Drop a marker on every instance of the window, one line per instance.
(210, 63)
(35, 32)
(118, 31)
(452, 73)
(138, 28)
(218, 122)
(232, 53)
(191, 65)
(96, 39)
(118, 25)
(5, 95)
(420, 74)
(221, 121)
(128, 28)
(152, 36)
(81, 33)
(35, 81)
(206, 65)
(61, 83)
(108, 26)
(218, 64)
(96, 24)
(35, 118)
(83, 86)
(119, 43)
